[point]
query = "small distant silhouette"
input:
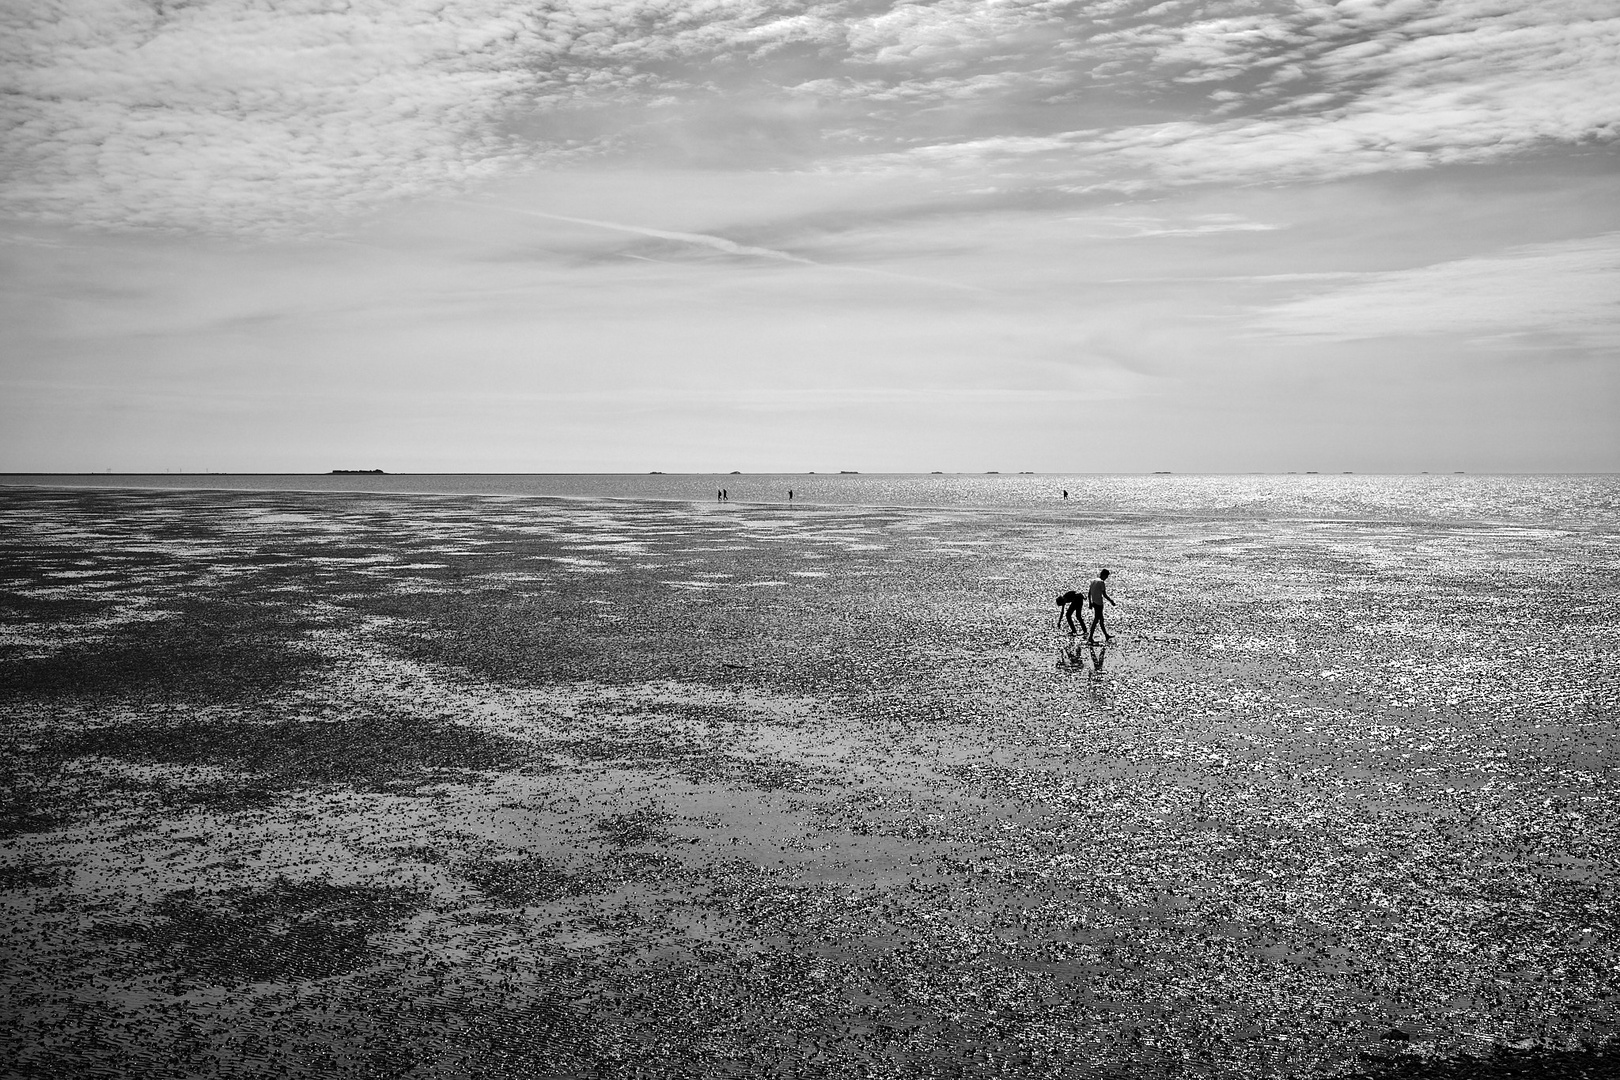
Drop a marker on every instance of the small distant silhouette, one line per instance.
(1065, 493)
(1096, 594)
(790, 494)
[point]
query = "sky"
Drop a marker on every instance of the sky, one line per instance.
(634, 235)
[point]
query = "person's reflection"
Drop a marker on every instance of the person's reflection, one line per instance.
(1083, 655)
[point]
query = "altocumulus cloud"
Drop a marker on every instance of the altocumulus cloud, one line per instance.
(1364, 88)
(241, 116)
(1316, 91)
(289, 115)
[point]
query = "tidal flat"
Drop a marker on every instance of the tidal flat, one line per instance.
(352, 785)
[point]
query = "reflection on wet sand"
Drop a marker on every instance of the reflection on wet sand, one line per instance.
(1082, 654)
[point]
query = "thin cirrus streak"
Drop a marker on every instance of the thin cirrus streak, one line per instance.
(1315, 275)
(720, 243)
(1116, 385)
(1564, 289)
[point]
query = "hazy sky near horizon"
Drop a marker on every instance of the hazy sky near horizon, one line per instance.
(622, 235)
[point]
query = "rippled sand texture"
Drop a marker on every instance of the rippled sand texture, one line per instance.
(357, 785)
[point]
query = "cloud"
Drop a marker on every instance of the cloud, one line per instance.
(1136, 226)
(1561, 292)
(1352, 90)
(1104, 385)
(239, 116)
(292, 116)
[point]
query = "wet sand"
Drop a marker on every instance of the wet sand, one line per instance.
(356, 785)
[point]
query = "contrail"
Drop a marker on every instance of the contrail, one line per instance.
(719, 243)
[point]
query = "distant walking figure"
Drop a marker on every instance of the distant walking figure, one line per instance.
(1096, 593)
(1069, 605)
(1065, 493)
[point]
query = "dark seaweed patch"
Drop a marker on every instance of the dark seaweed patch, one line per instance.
(287, 931)
(45, 1040)
(376, 751)
(16, 607)
(25, 806)
(581, 630)
(248, 793)
(530, 880)
(567, 635)
(493, 636)
(644, 826)
(1503, 1063)
(31, 876)
(206, 650)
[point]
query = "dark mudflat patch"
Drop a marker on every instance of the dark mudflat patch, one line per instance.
(29, 802)
(207, 650)
(31, 876)
(376, 751)
(236, 795)
(363, 1025)
(1502, 1063)
(287, 931)
(20, 608)
(527, 880)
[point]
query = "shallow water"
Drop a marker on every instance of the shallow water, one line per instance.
(522, 786)
(1539, 502)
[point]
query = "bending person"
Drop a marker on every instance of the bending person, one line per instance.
(1070, 605)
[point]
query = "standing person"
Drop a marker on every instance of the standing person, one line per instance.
(1069, 605)
(790, 494)
(1096, 593)
(1065, 493)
